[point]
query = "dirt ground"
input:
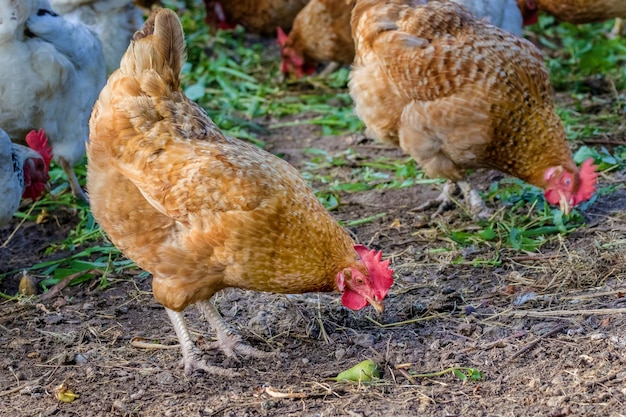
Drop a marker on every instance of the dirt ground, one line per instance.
(546, 329)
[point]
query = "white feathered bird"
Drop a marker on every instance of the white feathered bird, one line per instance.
(53, 70)
(114, 21)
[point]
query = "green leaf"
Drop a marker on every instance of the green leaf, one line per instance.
(459, 374)
(363, 371)
(515, 238)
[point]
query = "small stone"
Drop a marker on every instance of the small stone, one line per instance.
(120, 406)
(556, 401)
(80, 358)
(364, 340)
(137, 395)
(51, 410)
(53, 319)
(465, 329)
(165, 378)
(340, 354)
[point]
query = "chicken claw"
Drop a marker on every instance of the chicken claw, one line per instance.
(445, 202)
(475, 204)
(227, 340)
(191, 357)
(71, 176)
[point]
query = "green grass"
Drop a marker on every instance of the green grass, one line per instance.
(580, 52)
(240, 86)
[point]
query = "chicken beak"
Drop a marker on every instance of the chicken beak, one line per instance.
(565, 205)
(378, 306)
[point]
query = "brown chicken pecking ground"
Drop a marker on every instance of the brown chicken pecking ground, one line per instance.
(560, 353)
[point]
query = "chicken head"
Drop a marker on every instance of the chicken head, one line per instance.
(36, 170)
(216, 17)
(292, 62)
(529, 11)
(370, 287)
(566, 189)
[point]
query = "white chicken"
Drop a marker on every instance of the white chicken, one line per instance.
(52, 71)
(23, 171)
(114, 21)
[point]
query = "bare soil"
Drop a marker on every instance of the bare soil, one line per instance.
(546, 329)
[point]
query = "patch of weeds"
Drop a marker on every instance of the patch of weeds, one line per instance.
(528, 221)
(97, 253)
(525, 223)
(83, 264)
(236, 82)
(581, 51)
(603, 159)
(361, 174)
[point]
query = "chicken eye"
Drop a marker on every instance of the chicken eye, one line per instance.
(567, 182)
(359, 281)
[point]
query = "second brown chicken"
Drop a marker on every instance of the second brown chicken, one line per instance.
(456, 93)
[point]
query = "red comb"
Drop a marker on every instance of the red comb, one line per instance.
(588, 177)
(281, 36)
(531, 19)
(380, 273)
(38, 141)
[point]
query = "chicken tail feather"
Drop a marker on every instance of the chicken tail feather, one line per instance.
(158, 46)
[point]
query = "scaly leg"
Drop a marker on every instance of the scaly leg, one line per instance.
(227, 340)
(329, 69)
(445, 202)
(191, 357)
(475, 204)
(71, 176)
(618, 30)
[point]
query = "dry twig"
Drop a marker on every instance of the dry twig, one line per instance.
(140, 342)
(532, 344)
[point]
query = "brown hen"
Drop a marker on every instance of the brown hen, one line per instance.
(573, 11)
(456, 93)
(321, 32)
(203, 212)
(256, 16)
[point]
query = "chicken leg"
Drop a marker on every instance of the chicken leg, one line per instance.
(618, 30)
(227, 340)
(191, 356)
(71, 176)
(445, 202)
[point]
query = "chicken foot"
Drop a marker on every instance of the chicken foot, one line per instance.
(191, 356)
(619, 29)
(71, 176)
(227, 340)
(445, 200)
(330, 68)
